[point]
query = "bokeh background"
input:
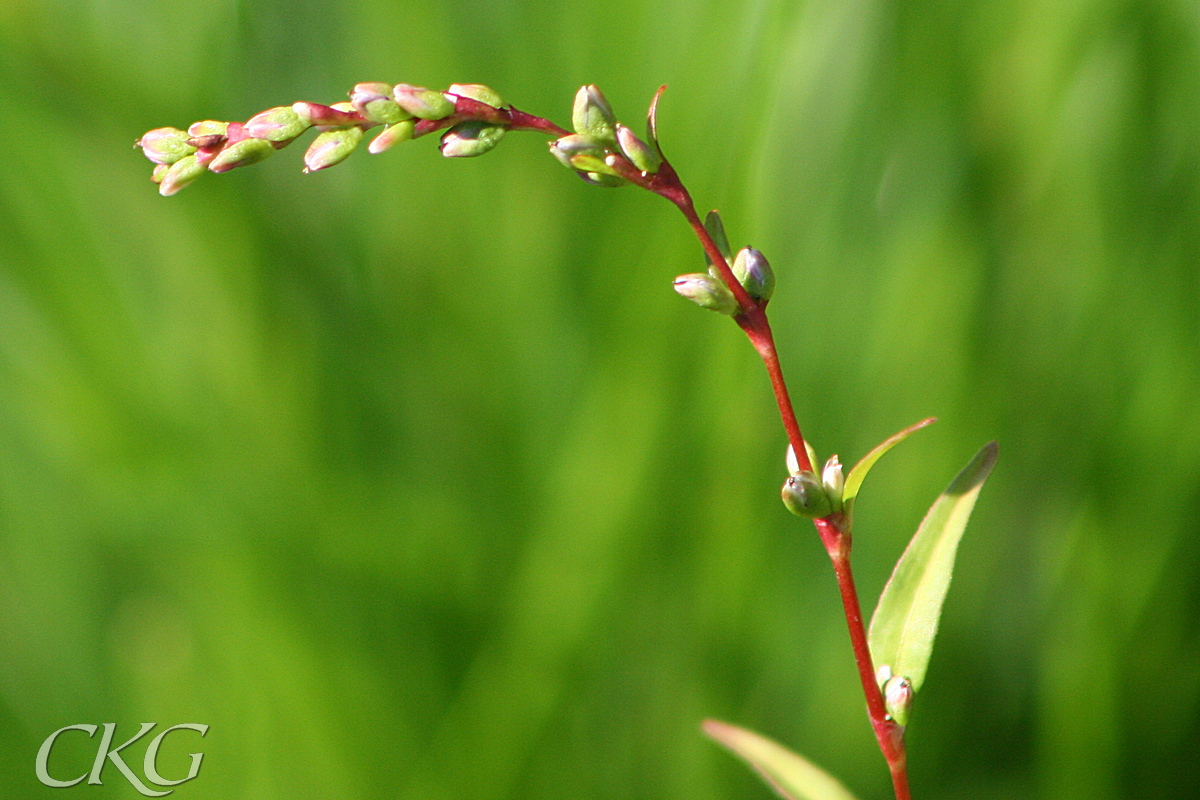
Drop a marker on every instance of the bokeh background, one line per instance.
(414, 479)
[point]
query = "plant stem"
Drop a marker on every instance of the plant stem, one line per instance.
(890, 736)
(753, 316)
(836, 538)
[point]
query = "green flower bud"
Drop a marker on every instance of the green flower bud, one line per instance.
(392, 135)
(331, 147)
(160, 172)
(565, 148)
(643, 156)
(707, 292)
(471, 138)
(754, 273)
(165, 145)
(422, 102)
(898, 698)
(280, 124)
(716, 229)
(241, 154)
(179, 175)
(208, 127)
(592, 116)
(374, 101)
(581, 153)
(477, 92)
(804, 496)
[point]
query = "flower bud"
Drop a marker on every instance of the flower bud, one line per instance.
(180, 174)
(707, 292)
(241, 154)
(643, 156)
(592, 116)
(280, 124)
(581, 153)
(804, 496)
(793, 463)
(160, 172)
(422, 102)
(374, 101)
(165, 145)
(208, 127)
(898, 698)
(392, 135)
(833, 480)
(331, 147)
(477, 92)
(471, 138)
(575, 146)
(754, 273)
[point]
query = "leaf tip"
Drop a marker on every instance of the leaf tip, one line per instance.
(976, 472)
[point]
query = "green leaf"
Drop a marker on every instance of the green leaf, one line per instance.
(793, 777)
(906, 619)
(859, 472)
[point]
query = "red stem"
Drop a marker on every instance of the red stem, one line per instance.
(889, 735)
(835, 537)
(752, 319)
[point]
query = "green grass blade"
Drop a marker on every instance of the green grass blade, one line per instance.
(855, 478)
(906, 619)
(792, 776)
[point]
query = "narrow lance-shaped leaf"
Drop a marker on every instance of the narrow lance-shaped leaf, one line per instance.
(792, 776)
(906, 619)
(855, 478)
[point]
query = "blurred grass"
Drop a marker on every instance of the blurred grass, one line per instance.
(413, 478)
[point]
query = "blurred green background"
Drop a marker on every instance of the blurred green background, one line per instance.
(414, 479)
